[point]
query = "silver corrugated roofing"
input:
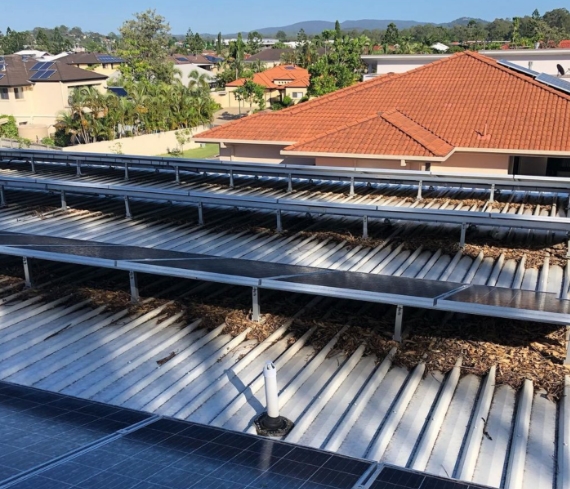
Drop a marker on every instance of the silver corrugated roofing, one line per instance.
(460, 426)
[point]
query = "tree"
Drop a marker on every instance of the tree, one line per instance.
(254, 40)
(499, 30)
(559, 18)
(144, 47)
(194, 44)
(251, 92)
(42, 41)
(58, 43)
(337, 30)
(281, 36)
(392, 35)
(219, 44)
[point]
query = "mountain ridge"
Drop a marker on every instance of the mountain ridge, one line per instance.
(312, 27)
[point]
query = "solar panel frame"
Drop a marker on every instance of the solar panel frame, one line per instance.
(554, 82)
(520, 69)
(397, 478)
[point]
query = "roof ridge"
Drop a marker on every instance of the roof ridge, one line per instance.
(423, 143)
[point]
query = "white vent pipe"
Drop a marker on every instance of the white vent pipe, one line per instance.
(271, 394)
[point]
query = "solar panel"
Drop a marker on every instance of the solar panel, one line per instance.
(42, 75)
(176, 454)
(396, 478)
(104, 58)
(2, 65)
(183, 60)
(520, 69)
(37, 426)
(42, 66)
(1, 76)
(554, 82)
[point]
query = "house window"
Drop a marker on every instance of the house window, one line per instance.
(19, 93)
(4, 94)
(297, 94)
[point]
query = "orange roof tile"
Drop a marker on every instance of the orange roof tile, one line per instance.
(389, 133)
(458, 100)
(297, 77)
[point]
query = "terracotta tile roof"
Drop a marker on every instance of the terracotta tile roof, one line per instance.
(467, 100)
(565, 44)
(18, 73)
(297, 77)
(387, 133)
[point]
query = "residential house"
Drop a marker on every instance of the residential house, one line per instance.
(36, 92)
(102, 63)
(270, 57)
(465, 113)
(541, 60)
(193, 59)
(280, 81)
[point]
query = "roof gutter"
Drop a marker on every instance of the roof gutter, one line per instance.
(366, 156)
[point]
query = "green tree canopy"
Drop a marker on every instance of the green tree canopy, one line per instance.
(144, 47)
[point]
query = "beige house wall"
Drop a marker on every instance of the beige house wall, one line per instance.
(104, 69)
(485, 163)
(146, 145)
(42, 103)
(256, 153)
(228, 100)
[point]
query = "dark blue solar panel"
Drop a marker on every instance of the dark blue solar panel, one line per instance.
(396, 478)
(183, 60)
(1, 76)
(42, 75)
(118, 91)
(554, 82)
(42, 66)
(104, 58)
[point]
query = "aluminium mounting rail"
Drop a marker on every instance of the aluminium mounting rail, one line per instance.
(279, 205)
(408, 177)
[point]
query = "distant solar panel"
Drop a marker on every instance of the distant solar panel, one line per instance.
(1, 76)
(42, 75)
(289, 67)
(520, 69)
(2, 66)
(107, 58)
(42, 66)
(181, 59)
(395, 478)
(554, 82)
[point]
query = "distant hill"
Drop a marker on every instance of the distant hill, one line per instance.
(312, 27)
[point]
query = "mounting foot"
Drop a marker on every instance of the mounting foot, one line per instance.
(268, 426)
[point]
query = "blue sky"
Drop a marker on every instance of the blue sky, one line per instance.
(243, 15)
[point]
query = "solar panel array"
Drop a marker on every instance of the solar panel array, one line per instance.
(182, 60)
(554, 82)
(42, 75)
(429, 294)
(42, 66)
(104, 58)
(49, 440)
(520, 69)
(551, 81)
(396, 478)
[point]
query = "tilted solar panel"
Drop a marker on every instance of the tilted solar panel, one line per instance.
(554, 82)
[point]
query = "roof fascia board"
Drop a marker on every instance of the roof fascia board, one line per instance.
(521, 152)
(366, 156)
(198, 139)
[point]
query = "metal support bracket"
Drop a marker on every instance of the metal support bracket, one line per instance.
(351, 194)
(420, 185)
(2, 197)
(128, 208)
(126, 171)
(255, 312)
(78, 164)
(398, 325)
(231, 179)
(365, 227)
(133, 279)
(63, 201)
(177, 173)
(33, 164)
(27, 272)
(290, 184)
(200, 214)
(463, 234)
(279, 222)
(567, 359)
(492, 196)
